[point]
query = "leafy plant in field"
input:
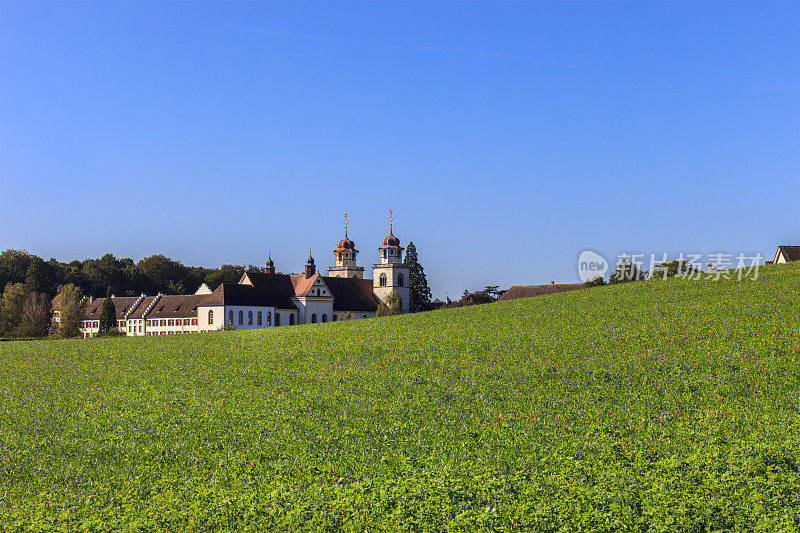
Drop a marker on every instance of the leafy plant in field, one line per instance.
(670, 406)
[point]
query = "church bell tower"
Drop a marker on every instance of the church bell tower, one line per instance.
(345, 254)
(391, 274)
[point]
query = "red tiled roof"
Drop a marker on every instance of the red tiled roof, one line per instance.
(178, 305)
(142, 307)
(302, 284)
(527, 291)
(121, 306)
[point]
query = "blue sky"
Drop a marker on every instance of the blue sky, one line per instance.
(506, 137)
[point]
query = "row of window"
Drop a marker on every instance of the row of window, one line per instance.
(88, 335)
(400, 280)
(173, 322)
(259, 317)
(150, 323)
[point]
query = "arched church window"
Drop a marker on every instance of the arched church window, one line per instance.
(241, 317)
(259, 319)
(230, 317)
(211, 317)
(249, 318)
(269, 318)
(334, 317)
(313, 318)
(324, 317)
(400, 280)
(277, 319)
(382, 280)
(291, 319)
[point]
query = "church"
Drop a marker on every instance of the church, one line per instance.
(267, 299)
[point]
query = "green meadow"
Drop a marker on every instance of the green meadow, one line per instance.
(650, 406)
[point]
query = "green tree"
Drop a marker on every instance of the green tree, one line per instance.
(391, 305)
(625, 272)
(596, 281)
(677, 267)
(475, 298)
(71, 307)
(494, 291)
(38, 278)
(419, 295)
(165, 275)
(14, 266)
(35, 317)
(14, 297)
(108, 315)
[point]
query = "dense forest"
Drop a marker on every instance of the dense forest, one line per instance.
(150, 275)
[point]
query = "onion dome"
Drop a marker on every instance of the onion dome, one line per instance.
(346, 244)
(391, 240)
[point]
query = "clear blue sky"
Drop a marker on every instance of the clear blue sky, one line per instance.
(506, 137)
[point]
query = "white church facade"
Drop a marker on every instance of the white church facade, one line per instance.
(268, 299)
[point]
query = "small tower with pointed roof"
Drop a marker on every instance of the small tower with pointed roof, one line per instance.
(311, 268)
(270, 268)
(345, 254)
(391, 274)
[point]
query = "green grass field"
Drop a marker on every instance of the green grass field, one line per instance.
(653, 406)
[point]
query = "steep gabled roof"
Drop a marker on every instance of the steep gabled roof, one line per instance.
(121, 305)
(790, 252)
(302, 284)
(527, 291)
(142, 307)
(351, 294)
(274, 290)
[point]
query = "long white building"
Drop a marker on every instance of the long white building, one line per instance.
(266, 299)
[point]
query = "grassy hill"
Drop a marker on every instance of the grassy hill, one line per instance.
(650, 406)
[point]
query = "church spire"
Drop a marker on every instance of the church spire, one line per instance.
(311, 268)
(270, 268)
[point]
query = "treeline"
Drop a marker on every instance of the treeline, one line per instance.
(150, 275)
(489, 294)
(628, 271)
(29, 284)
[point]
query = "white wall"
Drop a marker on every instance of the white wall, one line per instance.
(316, 305)
(392, 274)
(202, 317)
